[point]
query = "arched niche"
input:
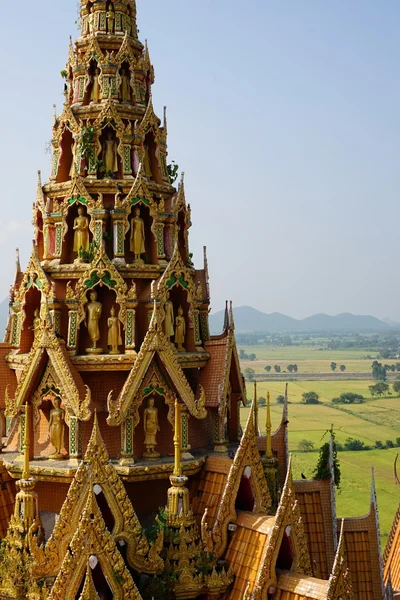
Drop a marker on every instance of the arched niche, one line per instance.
(125, 90)
(105, 509)
(179, 298)
(108, 300)
(68, 254)
(151, 164)
(150, 254)
(245, 498)
(93, 75)
(31, 305)
(109, 143)
(164, 438)
(44, 401)
(66, 156)
(284, 561)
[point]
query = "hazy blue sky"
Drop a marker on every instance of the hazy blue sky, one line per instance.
(284, 115)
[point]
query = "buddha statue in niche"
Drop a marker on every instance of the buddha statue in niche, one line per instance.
(81, 231)
(110, 18)
(95, 91)
(56, 429)
(114, 332)
(169, 318)
(151, 428)
(125, 90)
(110, 154)
(138, 238)
(180, 330)
(93, 314)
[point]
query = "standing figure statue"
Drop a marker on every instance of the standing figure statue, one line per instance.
(125, 92)
(91, 20)
(114, 332)
(137, 241)
(95, 91)
(180, 330)
(81, 229)
(110, 19)
(151, 428)
(110, 154)
(169, 318)
(56, 429)
(93, 314)
(146, 163)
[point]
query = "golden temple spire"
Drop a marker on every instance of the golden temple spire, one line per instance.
(255, 408)
(177, 440)
(27, 442)
(269, 453)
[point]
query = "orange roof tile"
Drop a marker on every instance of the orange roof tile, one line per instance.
(213, 374)
(392, 553)
(314, 499)
(210, 488)
(246, 550)
(294, 586)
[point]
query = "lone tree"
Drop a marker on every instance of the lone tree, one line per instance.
(267, 368)
(379, 389)
(342, 368)
(277, 368)
(322, 470)
(280, 399)
(333, 366)
(396, 386)
(306, 446)
(310, 398)
(249, 374)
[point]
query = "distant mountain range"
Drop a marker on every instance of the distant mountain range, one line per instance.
(248, 319)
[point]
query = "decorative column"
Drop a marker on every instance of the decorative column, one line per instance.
(55, 315)
(219, 433)
(16, 326)
(159, 229)
(96, 226)
(91, 161)
(72, 343)
(119, 225)
(75, 438)
(55, 161)
(205, 329)
(196, 327)
(80, 77)
(22, 429)
(127, 159)
(127, 442)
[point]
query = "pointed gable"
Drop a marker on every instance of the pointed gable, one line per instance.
(246, 456)
(392, 553)
(92, 539)
(154, 344)
(97, 470)
(48, 349)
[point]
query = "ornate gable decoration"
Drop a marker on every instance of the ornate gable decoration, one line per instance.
(110, 116)
(247, 455)
(340, 585)
(140, 194)
(102, 272)
(78, 194)
(151, 121)
(179, 200)
(96, 470)
(40, 199)
(176, 273)
(66, 119)
(34, 276)
(48, 343)
(94, 52)
(125, 52)
(93, 540)
(287, 521)
(154, 343)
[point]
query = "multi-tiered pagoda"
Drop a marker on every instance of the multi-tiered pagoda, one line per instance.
(117, 400)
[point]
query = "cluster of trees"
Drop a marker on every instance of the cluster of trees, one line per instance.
(349, 398)
(351, 444)
(310, 398)
(244, 356)
(379, 370)
(341, 367)
(278, 369)
(381, 388)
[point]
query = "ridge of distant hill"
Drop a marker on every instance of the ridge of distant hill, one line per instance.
(248, 319)
(391, 322)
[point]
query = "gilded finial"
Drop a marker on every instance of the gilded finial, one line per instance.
(269, 453)
(255, 408)
(27, 440)
(17, 261)
(177, 440)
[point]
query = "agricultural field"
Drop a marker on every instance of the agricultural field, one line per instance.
(309, 359)
(353, 496)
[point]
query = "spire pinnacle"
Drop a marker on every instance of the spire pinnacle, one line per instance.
(269, 453)
(255, 408)
(27, 442)
(177, 440)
